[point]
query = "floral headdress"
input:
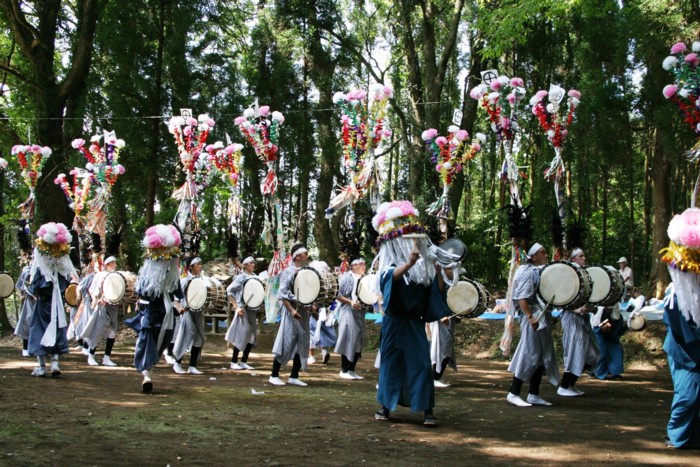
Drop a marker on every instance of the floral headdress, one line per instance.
(190, 136)
(53, 239)
(363, 119)
(79, 194)
(162, 242)
(102, 160)
(683, 258)
(449, 153)
(493, 96)
(396, 218)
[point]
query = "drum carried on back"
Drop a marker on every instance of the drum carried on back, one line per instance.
(315, 286)
(467, 298)
(608, 285)
(254, 294)
(565, 285)
(119, 287)
(202, 298)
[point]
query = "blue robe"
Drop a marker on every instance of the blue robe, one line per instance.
(41, 318)
(682, 346)
(610, 359)
(406, 372)
(148, 323)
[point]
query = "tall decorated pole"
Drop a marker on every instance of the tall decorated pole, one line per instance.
(190, 137)
(260, 127)
(226, 161)
(502, 99)
(555, 118)
(684, 63)
(31, 158)
(363, 119)
(449, 153)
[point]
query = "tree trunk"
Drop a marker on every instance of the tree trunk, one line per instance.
(5, 326)
(660, 176)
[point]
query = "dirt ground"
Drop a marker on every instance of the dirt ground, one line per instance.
(98, 416)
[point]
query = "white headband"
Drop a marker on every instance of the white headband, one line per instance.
(196, 260)
(534, 249)
(298, 252)
(575, 253)
(110, 259)
(248, 260)
(358, 261)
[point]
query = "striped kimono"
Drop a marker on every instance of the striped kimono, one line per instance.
(351, 323)
(190, 331)
(535, 348)
(580, 346)
(243, 328)
(293, 335)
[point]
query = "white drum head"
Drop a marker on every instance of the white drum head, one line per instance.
(113, 288)
(463, 297)
(307, 286)
(636, 322)
(365, 289)
(561, 282)
(196, 294)
(7, 285)
(601, 284)
(253, 293)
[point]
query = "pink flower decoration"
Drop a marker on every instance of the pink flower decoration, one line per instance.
(388, 92)
(239, 120)
(211, 122)
(429, 134)
(462, 135)
(574, 93)
(541, 94)
(476, 147)
(678, 48)
(495, 85)
(209, 147)
(517, 82)
(187, 131)
(669, 90)
(511, 98)
(78, 143)
(264, 110)
(441, 141)
(692, 58)
(192, 121)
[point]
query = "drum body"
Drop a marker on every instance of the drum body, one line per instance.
(119, 287)
(7, 285)
(254, 293)
(467, 298)
(365, 289)
(608, 285)
(565, 285)
(314, 286)
(636, 322)
(202, 298)
(72, 295)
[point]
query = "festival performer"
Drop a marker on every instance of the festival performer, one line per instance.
(103, 322)
(190, 335)
(27, 303)
(242, 333)
(580, 348)
(351, 320)
(682, 318)
(50, 272)
(608, 328)
(159, 291)
(85, 311)
(292, 341)
(534, 355)
(322, 333)
(627, 277)
(442, 335)
(410, 298)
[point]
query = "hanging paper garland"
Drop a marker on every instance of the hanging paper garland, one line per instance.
(685, 93)
(363, 119)
(227, 162)
(31, 160)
